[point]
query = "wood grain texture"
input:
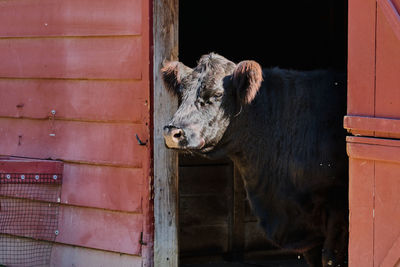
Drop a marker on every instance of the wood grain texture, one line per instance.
(103, 187)
(75, 99)
(101, 229)
(100, 143)
(77, 58)
(166, 249)
(70, 18)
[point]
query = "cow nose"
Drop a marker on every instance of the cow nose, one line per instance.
(173, 136)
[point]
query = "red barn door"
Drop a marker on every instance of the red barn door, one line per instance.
(374, 118)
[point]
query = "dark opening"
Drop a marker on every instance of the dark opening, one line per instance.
(302, 35)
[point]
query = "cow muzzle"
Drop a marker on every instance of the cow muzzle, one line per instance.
(174, 137)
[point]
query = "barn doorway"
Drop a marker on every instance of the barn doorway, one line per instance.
(215, 221)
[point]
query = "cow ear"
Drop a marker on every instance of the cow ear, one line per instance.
(172, 74)
(247, 78)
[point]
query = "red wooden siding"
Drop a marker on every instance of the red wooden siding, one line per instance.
(101, 229)
(70, 18)
(374, 111)
(89, 62)
(74, 141)
(89, 100)
(105, 187)
(71, 57)
(374, 64)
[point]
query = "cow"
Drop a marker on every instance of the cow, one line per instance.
(283, 131)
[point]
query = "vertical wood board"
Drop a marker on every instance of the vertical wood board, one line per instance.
(361, 205)
(387, 69)
(387, 209)
(361, 57)
(166, 249)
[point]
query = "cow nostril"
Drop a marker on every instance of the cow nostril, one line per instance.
(178, 135)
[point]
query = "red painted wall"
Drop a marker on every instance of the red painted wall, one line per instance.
(374, 111)
(89, 62)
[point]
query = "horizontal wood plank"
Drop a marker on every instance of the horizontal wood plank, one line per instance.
(31, 166)
(70, 17)
(101, 143)
(372, 126)
(372, 141)
(77, 58)
(75, 99)
(103, 187)
(67, 256)
(101, 229)
(370, 151)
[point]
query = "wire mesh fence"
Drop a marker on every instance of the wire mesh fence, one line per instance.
(29, 209)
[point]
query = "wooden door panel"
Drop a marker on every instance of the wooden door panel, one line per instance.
(387, 208)
(387, 102)
(361, 57)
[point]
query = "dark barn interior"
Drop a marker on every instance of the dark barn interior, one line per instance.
(215, 220)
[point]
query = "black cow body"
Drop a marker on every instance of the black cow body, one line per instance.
(283, 130)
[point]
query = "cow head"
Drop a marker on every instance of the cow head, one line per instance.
(210, 95)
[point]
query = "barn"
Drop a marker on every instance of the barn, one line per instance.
(85, 178)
